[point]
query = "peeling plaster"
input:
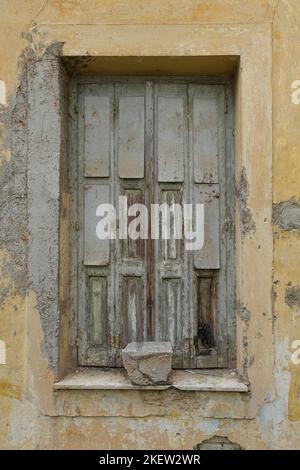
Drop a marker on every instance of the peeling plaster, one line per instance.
(13, 192)
(292, 296)
(286, 215)
(246, 219)
(46, 148)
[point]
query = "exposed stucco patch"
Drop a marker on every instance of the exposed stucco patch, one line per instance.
(292, 296)
(13, 191)
(286, 215)
(218, 443)
(246, 219)
(243, 312)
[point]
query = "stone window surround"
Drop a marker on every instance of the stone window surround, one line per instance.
(48, 197)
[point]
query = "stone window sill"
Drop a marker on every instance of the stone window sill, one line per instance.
(188, 380)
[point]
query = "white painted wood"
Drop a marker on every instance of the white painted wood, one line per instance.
(205, 140)
(98, 310)
(97, 128)
(131, 136)
(209, 256)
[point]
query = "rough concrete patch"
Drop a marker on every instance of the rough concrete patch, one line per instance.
(46, 149)
(18, 205)
(218, 443)
(13, 189)
(286, 215)
(292, 296)
(246, 218)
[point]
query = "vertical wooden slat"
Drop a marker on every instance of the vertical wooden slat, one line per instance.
(170, 317)
(96, 252)
(171, 249)
(133, 249)
(98, 311)
(132, 309)
(149, 199)
(209, 256)
(131, 136)
(97, 128)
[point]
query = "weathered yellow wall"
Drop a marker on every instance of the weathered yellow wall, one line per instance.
(32, 416)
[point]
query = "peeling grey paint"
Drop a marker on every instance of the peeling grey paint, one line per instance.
(286, 215)
(246, 219)
(292, 296)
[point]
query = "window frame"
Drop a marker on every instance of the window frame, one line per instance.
(227, 348)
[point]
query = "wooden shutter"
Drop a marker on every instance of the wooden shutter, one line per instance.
(95, 273)
(112, 287)
(153, 141)
(189, 166)
(171, 187)
(207, 186)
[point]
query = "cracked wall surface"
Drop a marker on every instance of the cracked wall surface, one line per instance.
(32, 415)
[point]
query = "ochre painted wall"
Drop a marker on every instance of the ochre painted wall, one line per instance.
(32, 415)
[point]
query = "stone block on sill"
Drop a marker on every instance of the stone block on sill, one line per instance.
(148, 363)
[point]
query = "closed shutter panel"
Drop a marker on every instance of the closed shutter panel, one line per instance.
(95, 269)
(112, 288)
(152, 142)
(130, 265)
(207, 186)
(171, 188)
